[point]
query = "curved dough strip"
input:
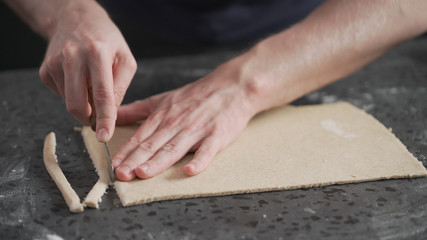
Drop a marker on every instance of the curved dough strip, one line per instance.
(52, 166)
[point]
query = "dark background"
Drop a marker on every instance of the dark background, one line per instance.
(22, 48)
(19, 46)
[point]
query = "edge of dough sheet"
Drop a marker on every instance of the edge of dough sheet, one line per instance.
(52, 166)
(226, 193)
(389, 131)
(419, 169)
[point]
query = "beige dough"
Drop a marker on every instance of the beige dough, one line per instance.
(284, 148)
(52, 166)
(95, 195)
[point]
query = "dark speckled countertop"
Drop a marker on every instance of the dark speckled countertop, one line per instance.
(393, 89)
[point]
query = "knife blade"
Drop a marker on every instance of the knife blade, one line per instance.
(93, 126)
(110, 165)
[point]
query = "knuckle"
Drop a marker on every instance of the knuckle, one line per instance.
(103, 95)
(70, 50)
(51, 62)
(191, 128)
(156, 116)
(128, 60)
(133, 66)
(104, 120)
(220, 130)
(95, 47)
(172, 122)
(131, 163)
(44, 75)
(119, 94)
(170, 148)
(134, 141)
(217, 130)
(147, 146)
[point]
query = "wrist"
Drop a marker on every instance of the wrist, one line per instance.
(68, 13)
(252, 76)
(277, 70)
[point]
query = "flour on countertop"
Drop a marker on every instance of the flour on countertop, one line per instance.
(53, 237)
(49, 236)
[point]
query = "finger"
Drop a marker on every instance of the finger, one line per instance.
(144, 152)
(47, 79)
(204, 155)
(123, 71)
(195, 147)
(100, 69)
(76, 93)
(169, 154)
(146, 129)
(134, 112)
(54, 68)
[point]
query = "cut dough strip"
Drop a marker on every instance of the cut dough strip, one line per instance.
(95, 195)
(52, 166)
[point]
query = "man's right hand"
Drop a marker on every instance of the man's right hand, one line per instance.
(85, 45)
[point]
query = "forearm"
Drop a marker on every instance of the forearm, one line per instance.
(335, 40)
(42, 15)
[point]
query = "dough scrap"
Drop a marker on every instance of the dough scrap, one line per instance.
(283, 148)
(52, 166)
(94, 197)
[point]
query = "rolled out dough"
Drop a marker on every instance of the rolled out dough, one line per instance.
(284, 148)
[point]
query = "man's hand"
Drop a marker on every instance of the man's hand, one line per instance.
(204, 116)
(84, 47)
(335, 40)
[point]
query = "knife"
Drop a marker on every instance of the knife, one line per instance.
(93, 126)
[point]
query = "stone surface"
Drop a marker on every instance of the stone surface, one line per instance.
(393, 89)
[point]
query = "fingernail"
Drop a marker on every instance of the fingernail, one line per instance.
(102, 135)
(124, 169)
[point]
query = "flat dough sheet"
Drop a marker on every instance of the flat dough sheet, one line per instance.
(284, 148)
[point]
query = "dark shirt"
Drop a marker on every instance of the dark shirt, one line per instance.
(215, 21)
